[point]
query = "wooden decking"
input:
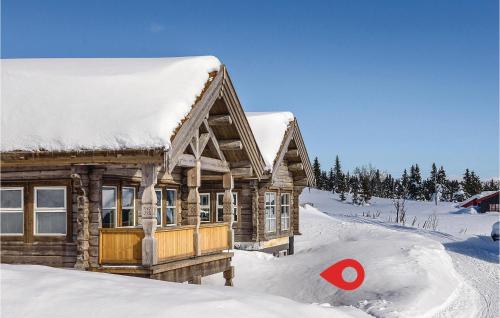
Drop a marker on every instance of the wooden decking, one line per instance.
(123, 246)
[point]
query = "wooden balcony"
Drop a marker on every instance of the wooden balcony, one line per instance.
(123, 246)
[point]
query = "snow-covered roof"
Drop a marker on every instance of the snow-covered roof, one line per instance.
(477, 196)
(269, 129)
(102, 103)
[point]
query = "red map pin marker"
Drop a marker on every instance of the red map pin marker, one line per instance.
(333, 274)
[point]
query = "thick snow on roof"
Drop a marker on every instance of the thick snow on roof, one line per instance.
(477, 196)
(269, 129)
(76, 104)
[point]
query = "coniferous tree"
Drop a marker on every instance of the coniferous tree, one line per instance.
(403, 184)
(491, 185)
(354, 185)
(366, 193)
(338, 176)
(317, 172)
(330, 180)
(324, 180)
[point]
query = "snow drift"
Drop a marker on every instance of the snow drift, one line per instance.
(407, 275)
(38, 291)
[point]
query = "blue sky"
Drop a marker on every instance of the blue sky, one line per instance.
(389, 83)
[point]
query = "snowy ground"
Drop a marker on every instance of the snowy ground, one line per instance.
(39, 291)
(410, 272)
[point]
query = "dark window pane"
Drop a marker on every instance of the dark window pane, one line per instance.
(220, 214)
(108, 198)
(10, 198)
(108, 218)
(127, 217)
(158, 216)
(11, 223)
(205, 215)
(50, 198)
(128, 197)
(158, 197)
(51, 222)
(171, 197)
(220, 198)
(204, 199)
(170, 215)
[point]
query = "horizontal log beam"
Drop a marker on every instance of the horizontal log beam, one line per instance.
(220, 120)
(208, 164)
(233, 144)
(296, 167)
(294, 153)
(242, 172)
(241, 164)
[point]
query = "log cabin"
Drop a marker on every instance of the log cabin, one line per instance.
(269, 207)
(108, 164)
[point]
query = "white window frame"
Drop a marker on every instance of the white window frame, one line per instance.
(269, 219)
(171, 206)
(115, 221)
(160, 206)
(14, 210)
(218, 206)
(287, 218)
(36, 210)
(209, 207)
(128, 207)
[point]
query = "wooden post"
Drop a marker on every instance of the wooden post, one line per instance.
(148, 214)
(255, 211)
(193, 203)
(228, 217)
(80, 184)
(95, 193)
(295, 209)
(228, 276)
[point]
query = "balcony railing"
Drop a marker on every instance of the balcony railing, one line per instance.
(123, 246)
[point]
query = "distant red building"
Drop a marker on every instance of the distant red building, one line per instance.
(486, 201)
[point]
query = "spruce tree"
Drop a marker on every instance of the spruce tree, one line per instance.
(337, 170)
(354, 185)
(317, 172)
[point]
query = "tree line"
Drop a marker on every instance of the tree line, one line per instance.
(367, 181)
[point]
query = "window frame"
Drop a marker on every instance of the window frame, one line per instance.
(287, 218)
(159, 205)
(209, 207)
(219, 206)
(127, 207)
(15, 210)
(115, 221)
(266, 218)
(50, 210)
(171, 206)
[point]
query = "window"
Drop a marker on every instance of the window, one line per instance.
(108, 207)
(12, 211)
(270, 207)
(285, 211)
(205, 207)
(235, 206)
(128, 206)
(159, 205)
(220, 207)
(171, 206)
(50, 210)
